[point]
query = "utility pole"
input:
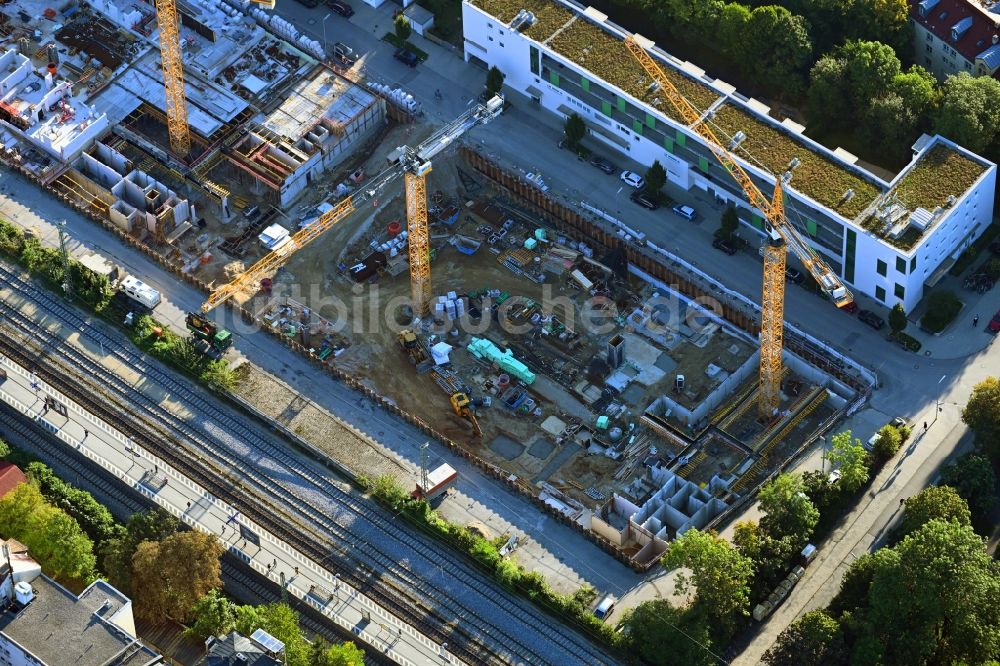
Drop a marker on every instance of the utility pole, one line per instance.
(67, 282)
(423, 467)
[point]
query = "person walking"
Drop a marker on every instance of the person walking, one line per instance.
(975, 321)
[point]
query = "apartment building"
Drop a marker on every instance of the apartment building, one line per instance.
(887, 239)
(951, 36)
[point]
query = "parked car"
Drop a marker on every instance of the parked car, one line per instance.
(645, 199)
(603, 164)
(345, 53)
(309, 3)
(633, 179)
(872, 319)
(686, 212)
(725, 245)
(898, 422)
(794, 275)
(994, 325)
(340, 7)
(406, 56)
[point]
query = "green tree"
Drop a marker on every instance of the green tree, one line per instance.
(728, 224)
(973, 478)
(213, 615)
(776, 50)
(732, 28)
(851, 459)
(938, 589)
(494, 81)
(970, 110)
(402, 28)
(815, 638)
(656, 178)
(897, 318)
(788, 511)
(888, 443)
(919, 91)
(653, 624)
(857, 582)
(4, 449)
(829, 105)
(982, 415)
(575, 129)
(218, 376)
(282, 622)
(934, 503)
(116, 554)
(63, 548)
(174, 574)
(770, 556)
(870, 69)
(344, 654)
(248, 619)
(92, 516)
(90, 287)
(719, 573)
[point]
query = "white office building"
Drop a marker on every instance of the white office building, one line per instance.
(888, 239)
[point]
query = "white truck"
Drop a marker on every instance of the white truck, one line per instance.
(140, 292)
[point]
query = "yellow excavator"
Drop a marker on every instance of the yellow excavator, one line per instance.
(462, 405)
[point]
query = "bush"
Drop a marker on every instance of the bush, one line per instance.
(906, 341)
(942, 308)
(11, 239)
(991, 268)
(888, 443)
(94, 518)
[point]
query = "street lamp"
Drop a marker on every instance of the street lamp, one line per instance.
(325, 53)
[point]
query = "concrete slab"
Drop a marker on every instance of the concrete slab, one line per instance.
(506, 447)
(541, 448)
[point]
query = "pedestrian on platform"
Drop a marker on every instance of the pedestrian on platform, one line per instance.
(975, 321)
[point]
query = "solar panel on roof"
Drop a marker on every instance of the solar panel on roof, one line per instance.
(267, 641)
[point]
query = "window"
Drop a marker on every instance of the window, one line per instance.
(900, 264)
(881, 267)
(501, 33)
(913, 264)
(899, 292)
(928, 61)
(880, 294)
(501, 44)
(929, 49)
(489, 38)
(489, 25)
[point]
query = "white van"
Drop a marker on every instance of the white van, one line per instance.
(605, 608)
(140, 292)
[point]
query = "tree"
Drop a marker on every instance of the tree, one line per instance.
(982, 415)
(919, 91)
(494, 81)
(729, 223)
(970, 110)
(4, 449)
(770, 556)
(857, 583)
(888, 443)
(888, 124)
(732, 27)
(402, 28)
(870, 68)
(174, 574)
(851, 459)
(282, 622)
(575, 129)
(213, 615)
(828, 102)
(897, 318)
(218, 376)
(775, 50)
(938, 589)
(973, 479)
(934, 503)
(653, 624)
(815, 638)
(344, 654)
(656, 178)
(90, 287)
(116, 554)
(788, 511)
(719, 573)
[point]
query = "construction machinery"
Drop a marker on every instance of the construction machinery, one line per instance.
(173, 78)
(462, 405)
(415, 163)
(782, 234)
(411, 345)
(209, 338)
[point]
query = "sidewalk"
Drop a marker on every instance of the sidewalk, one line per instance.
(376, 628)
(960, 338)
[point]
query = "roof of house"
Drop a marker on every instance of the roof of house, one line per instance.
(947, 19)
(235, 649)
(11, 477)
(60, 628)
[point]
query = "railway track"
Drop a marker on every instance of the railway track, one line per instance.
(242, 582)
(227, 455)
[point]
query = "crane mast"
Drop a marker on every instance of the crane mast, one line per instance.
(173, 78)
(415, 164)
(782, 236)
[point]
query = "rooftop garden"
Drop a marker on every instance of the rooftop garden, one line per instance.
(939, 173)
(816, 176)
(597, 50)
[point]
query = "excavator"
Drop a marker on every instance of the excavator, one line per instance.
(462, 405)
(411, 345)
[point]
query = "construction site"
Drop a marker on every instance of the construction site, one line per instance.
(279, 182)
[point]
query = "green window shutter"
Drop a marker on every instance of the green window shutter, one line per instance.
(811, 227)
(621, 103)
(584, 83)
(681, 138)
(703, 164)
(637, 127)
(554, 78)
(534, 60)
(757, 221)
(668, 143)
(650, 121)
(606, 108)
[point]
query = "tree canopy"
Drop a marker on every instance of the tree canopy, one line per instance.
(974, 480)
(982, 415)
(494, 81)
(173, 574)
(970, 110)
(934, 503)
(575, 130)
(788, 511)
(850, 458)
(653, 624)
(814, 638)
(402, 28)
(656, 178)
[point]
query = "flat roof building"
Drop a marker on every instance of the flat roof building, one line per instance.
(887, 239)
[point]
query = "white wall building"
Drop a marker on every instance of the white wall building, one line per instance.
(841, 209)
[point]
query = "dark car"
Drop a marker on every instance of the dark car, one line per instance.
(309, 3)
(406, 57)
(340, 7)
(604, 165)
(645, 199)
(794, 275)
(994, 325)
(724, 245)
(872, 319)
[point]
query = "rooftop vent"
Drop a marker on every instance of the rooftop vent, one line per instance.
(996, 39)
(960, 28)
(849, 194)
(653, 87)
(523, 19)
(794, 163)
(786, 177)
(23, 593)
(737, 139)
(951, 199)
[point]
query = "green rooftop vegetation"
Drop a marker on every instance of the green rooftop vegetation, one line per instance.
(816, 176)
(940, 173)
(549, 16)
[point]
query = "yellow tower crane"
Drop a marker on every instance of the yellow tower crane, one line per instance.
(173, 78)
(782, 236)
(415, 163)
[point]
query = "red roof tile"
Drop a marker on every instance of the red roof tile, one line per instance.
(10, 477)
(973, 41)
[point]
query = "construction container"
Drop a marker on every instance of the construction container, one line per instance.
(530, 243)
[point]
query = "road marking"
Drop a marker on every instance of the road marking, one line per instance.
(942, 378)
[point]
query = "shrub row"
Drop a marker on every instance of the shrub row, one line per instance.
(93, 517)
